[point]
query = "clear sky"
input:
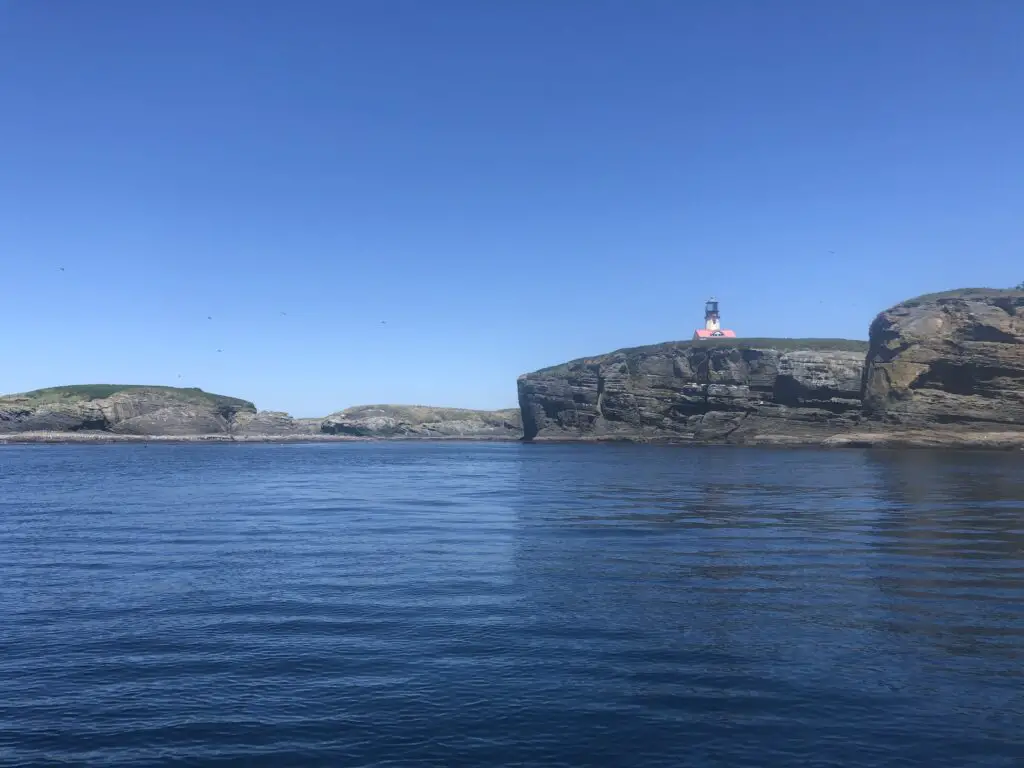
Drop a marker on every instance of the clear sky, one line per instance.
(507, 184)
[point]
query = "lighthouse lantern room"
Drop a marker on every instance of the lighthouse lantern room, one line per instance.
(712, 323)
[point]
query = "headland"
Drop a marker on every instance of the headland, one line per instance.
(943, 370)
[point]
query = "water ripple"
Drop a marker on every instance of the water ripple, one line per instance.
(400, 604)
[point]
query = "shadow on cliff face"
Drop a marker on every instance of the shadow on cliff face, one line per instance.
(526, 409)
(956, 379)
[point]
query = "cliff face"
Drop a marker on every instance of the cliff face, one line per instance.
(940, 370)
(954, 359)
(749, 391)
(127, 410)
(403, 421)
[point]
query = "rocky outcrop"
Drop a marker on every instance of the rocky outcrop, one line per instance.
(122, 412)
(125, 410)
(941, 370)
(402, 421)
(273, 424)
(751, 391)
(954, 360)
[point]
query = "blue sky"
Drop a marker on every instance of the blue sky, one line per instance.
(507, 184)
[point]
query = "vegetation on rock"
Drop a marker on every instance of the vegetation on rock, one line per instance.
(88, 392)
(121, 409)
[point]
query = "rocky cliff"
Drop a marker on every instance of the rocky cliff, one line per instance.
(404, 421)
(940, 370)
(125, 410)
(755, 390)
(954, 360)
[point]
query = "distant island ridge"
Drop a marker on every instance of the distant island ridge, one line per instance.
(944, 369)
(137, 412)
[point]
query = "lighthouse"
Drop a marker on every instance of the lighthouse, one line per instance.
(712, 323)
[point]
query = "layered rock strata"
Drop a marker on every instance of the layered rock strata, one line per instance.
(683, 391)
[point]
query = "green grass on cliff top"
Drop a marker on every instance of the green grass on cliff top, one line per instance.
(86, 392)
(783, 345)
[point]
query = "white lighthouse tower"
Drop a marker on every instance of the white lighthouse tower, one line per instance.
(712, 323)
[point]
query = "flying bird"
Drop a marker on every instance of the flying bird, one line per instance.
(62, 269)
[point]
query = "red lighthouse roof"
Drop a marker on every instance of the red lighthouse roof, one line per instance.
(703, 333)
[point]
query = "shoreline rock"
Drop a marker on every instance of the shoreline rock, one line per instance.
(987, 441)
(943, 370)
(423, 422)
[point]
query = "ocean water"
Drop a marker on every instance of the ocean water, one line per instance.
(411, 604)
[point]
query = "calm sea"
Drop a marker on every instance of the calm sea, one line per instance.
(483, 605)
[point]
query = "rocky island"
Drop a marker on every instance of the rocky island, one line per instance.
(140, 411)
(108, 412)
(944, 369)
